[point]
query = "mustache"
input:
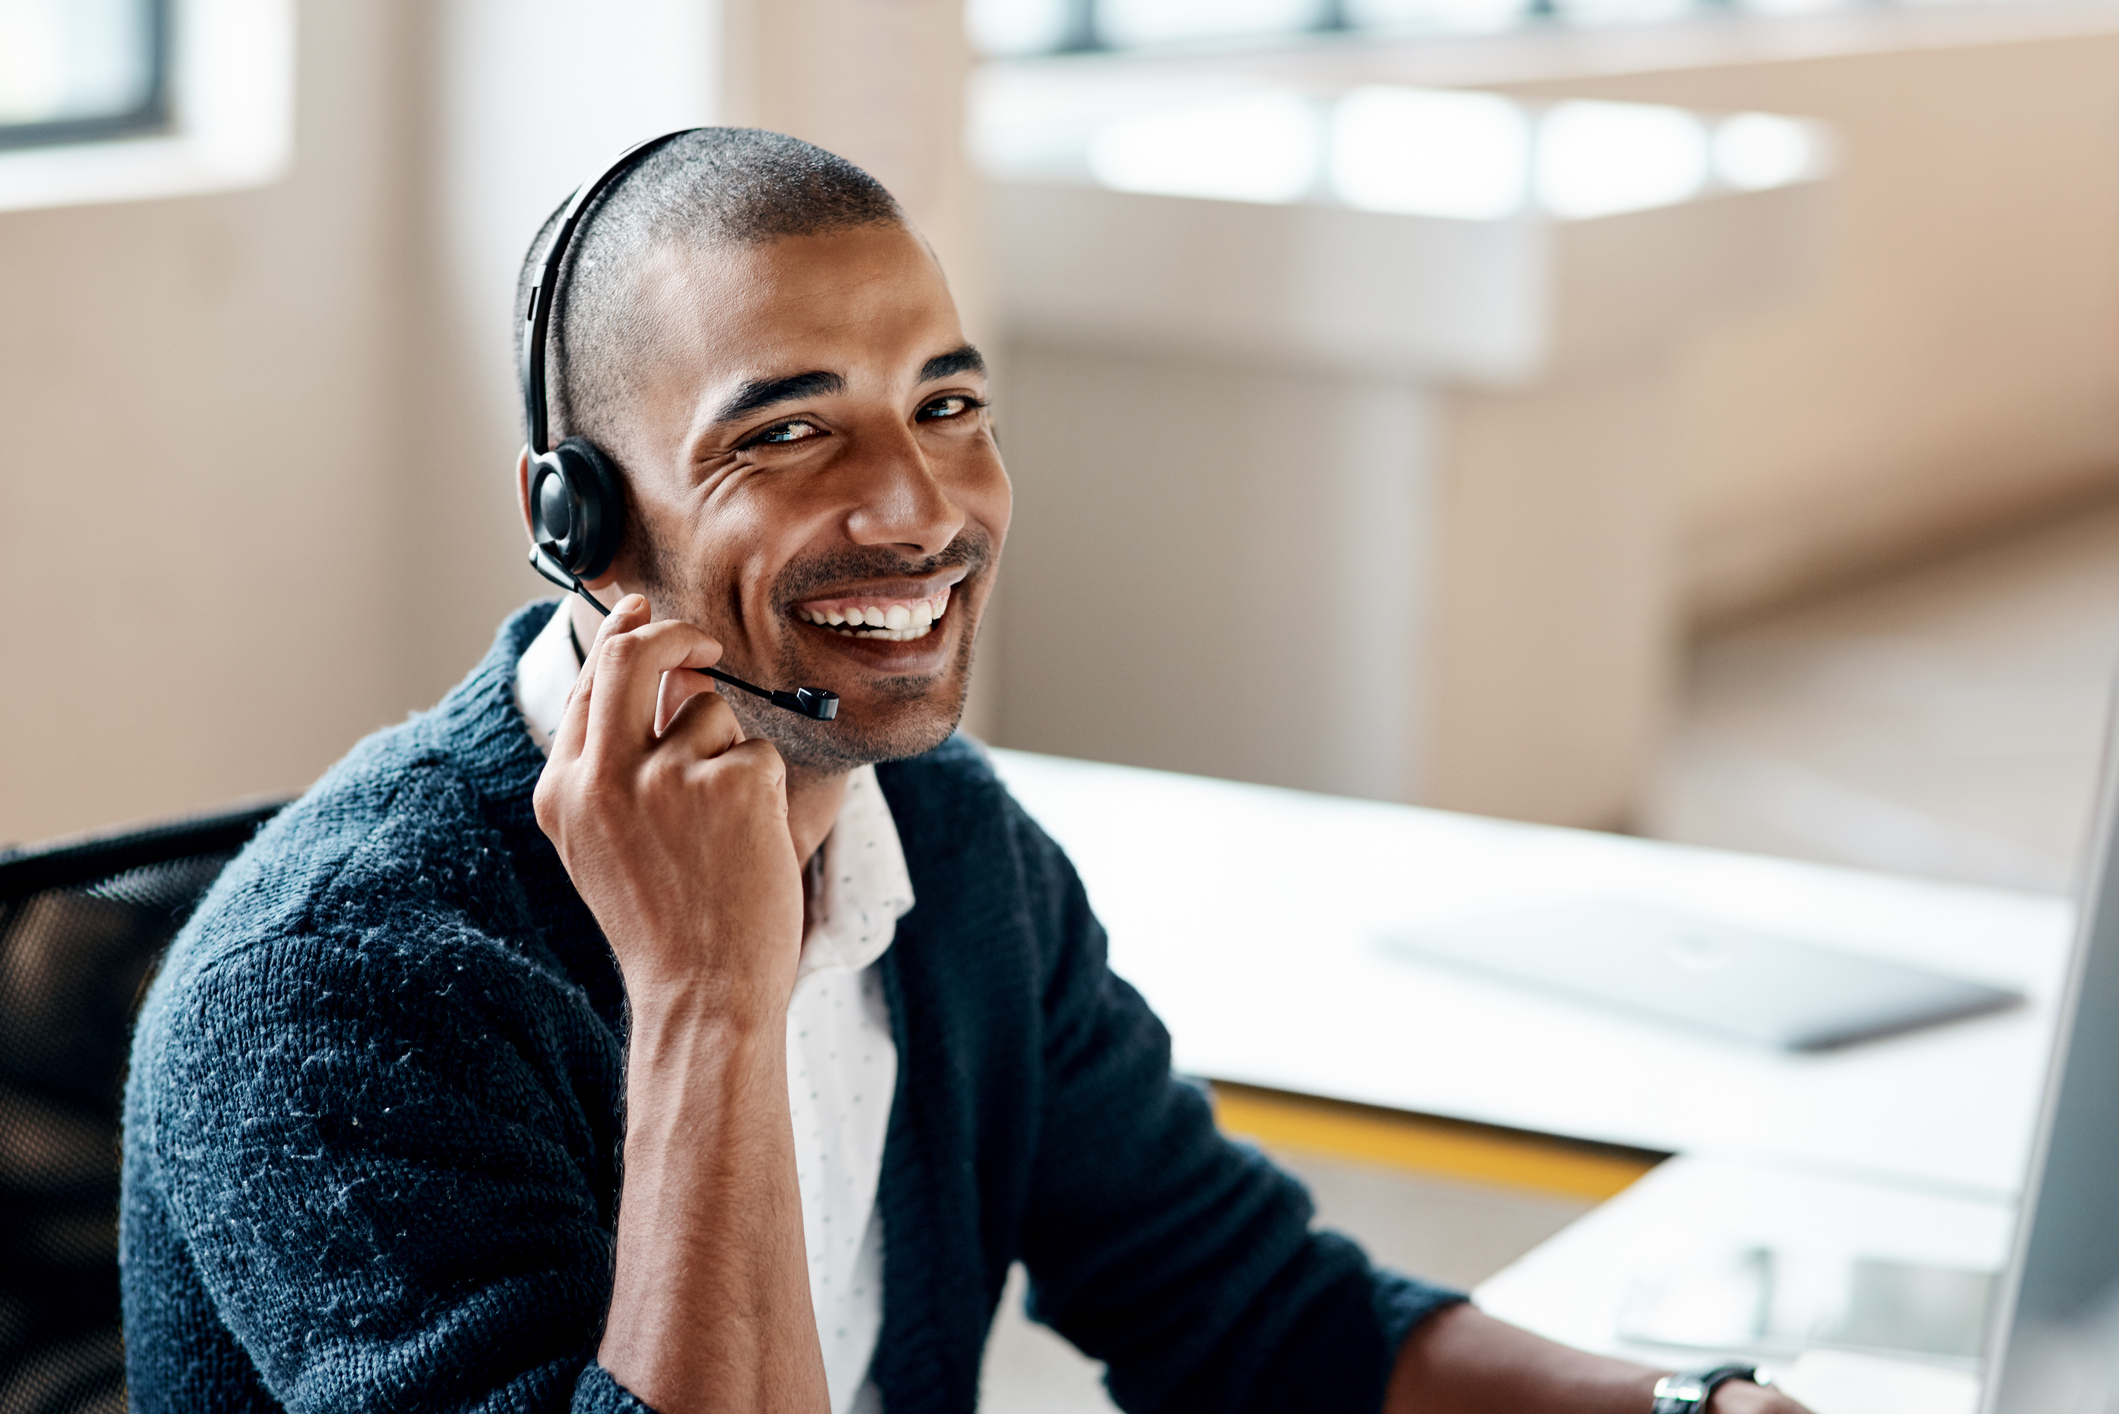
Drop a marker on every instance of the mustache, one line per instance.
(972, 549)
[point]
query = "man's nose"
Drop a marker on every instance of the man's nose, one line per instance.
(903, 503)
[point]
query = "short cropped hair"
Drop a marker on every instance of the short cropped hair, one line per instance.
(709, 187)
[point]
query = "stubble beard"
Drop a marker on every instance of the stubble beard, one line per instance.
(928, 709)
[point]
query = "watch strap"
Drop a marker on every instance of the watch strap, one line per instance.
(1688, 1391)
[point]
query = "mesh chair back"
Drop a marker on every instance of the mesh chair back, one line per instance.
(82, 925)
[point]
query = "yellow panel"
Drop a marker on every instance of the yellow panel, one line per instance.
(1435, 1148)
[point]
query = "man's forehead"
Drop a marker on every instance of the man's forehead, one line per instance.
(796, 281)
(759, 303)
(809, 310)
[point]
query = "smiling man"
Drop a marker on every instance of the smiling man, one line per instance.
(599, 1040)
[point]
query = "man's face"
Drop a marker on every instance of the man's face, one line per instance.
(813, 480)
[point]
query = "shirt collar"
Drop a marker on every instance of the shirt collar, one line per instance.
(860, 887)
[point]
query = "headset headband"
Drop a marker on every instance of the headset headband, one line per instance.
(545, 293)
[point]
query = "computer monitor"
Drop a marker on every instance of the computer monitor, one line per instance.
(2054, 1341)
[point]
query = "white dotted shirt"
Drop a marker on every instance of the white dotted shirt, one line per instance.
(842, 1064)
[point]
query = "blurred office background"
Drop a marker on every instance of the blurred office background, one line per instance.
(1670, 415)
(1694, 417)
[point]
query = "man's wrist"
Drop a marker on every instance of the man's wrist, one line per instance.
(708, 1003)
(685, 1056)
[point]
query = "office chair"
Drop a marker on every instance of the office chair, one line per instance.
(82, 926)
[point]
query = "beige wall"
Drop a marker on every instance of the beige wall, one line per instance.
(198, 477)
(881, 83)
(1958, 358)
(262, 441)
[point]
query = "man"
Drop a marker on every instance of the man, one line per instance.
(598, 1040)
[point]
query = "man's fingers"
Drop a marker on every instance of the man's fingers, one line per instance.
(630, 658)
(573, 731)
(701, 726)
(677, 689)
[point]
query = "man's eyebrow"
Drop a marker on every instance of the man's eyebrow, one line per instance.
(764, 392)
(962, 359)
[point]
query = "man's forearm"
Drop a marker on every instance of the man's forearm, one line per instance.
(674, 827)
(1463, 1361)
(710, 1305)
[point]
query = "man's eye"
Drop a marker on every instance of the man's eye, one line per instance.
(953, 405)
(795, 431)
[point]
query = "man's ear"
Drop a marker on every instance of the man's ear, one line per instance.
(522, 486)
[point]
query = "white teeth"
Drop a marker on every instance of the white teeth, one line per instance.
(899, 622)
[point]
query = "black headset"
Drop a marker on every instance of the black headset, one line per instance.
(577, 505)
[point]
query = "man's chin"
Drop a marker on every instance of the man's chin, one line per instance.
(870, 729)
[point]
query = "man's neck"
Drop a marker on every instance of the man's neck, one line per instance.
(813, 797)
(813, 801)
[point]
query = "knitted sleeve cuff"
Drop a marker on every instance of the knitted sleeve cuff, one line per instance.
(598, 1392)
(1402, 1303)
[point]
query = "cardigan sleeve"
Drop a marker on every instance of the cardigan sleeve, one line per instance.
(365, 1153)
(1184, 1261)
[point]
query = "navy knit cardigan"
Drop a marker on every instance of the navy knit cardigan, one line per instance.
(373, 1121)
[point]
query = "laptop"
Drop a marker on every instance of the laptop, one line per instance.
(1785, 993)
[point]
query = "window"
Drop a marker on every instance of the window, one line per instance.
(1003, 29)
(1021, 28)
(130, 100)
(80, 70)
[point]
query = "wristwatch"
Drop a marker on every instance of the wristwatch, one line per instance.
(1688, 1391)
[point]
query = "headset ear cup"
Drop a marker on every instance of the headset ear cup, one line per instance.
(602, 498)
(577, 507)
(551, 511)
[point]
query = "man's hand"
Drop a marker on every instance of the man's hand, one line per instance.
(674, 829)
(1463, 1361)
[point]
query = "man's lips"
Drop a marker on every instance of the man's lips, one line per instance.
(911, 612)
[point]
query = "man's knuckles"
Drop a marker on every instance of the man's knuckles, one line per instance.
(756, 763)
(747, 783)
(622, 649)
(545, 801)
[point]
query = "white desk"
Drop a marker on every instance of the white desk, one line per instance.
(1573, 1287)
(1249, 917)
